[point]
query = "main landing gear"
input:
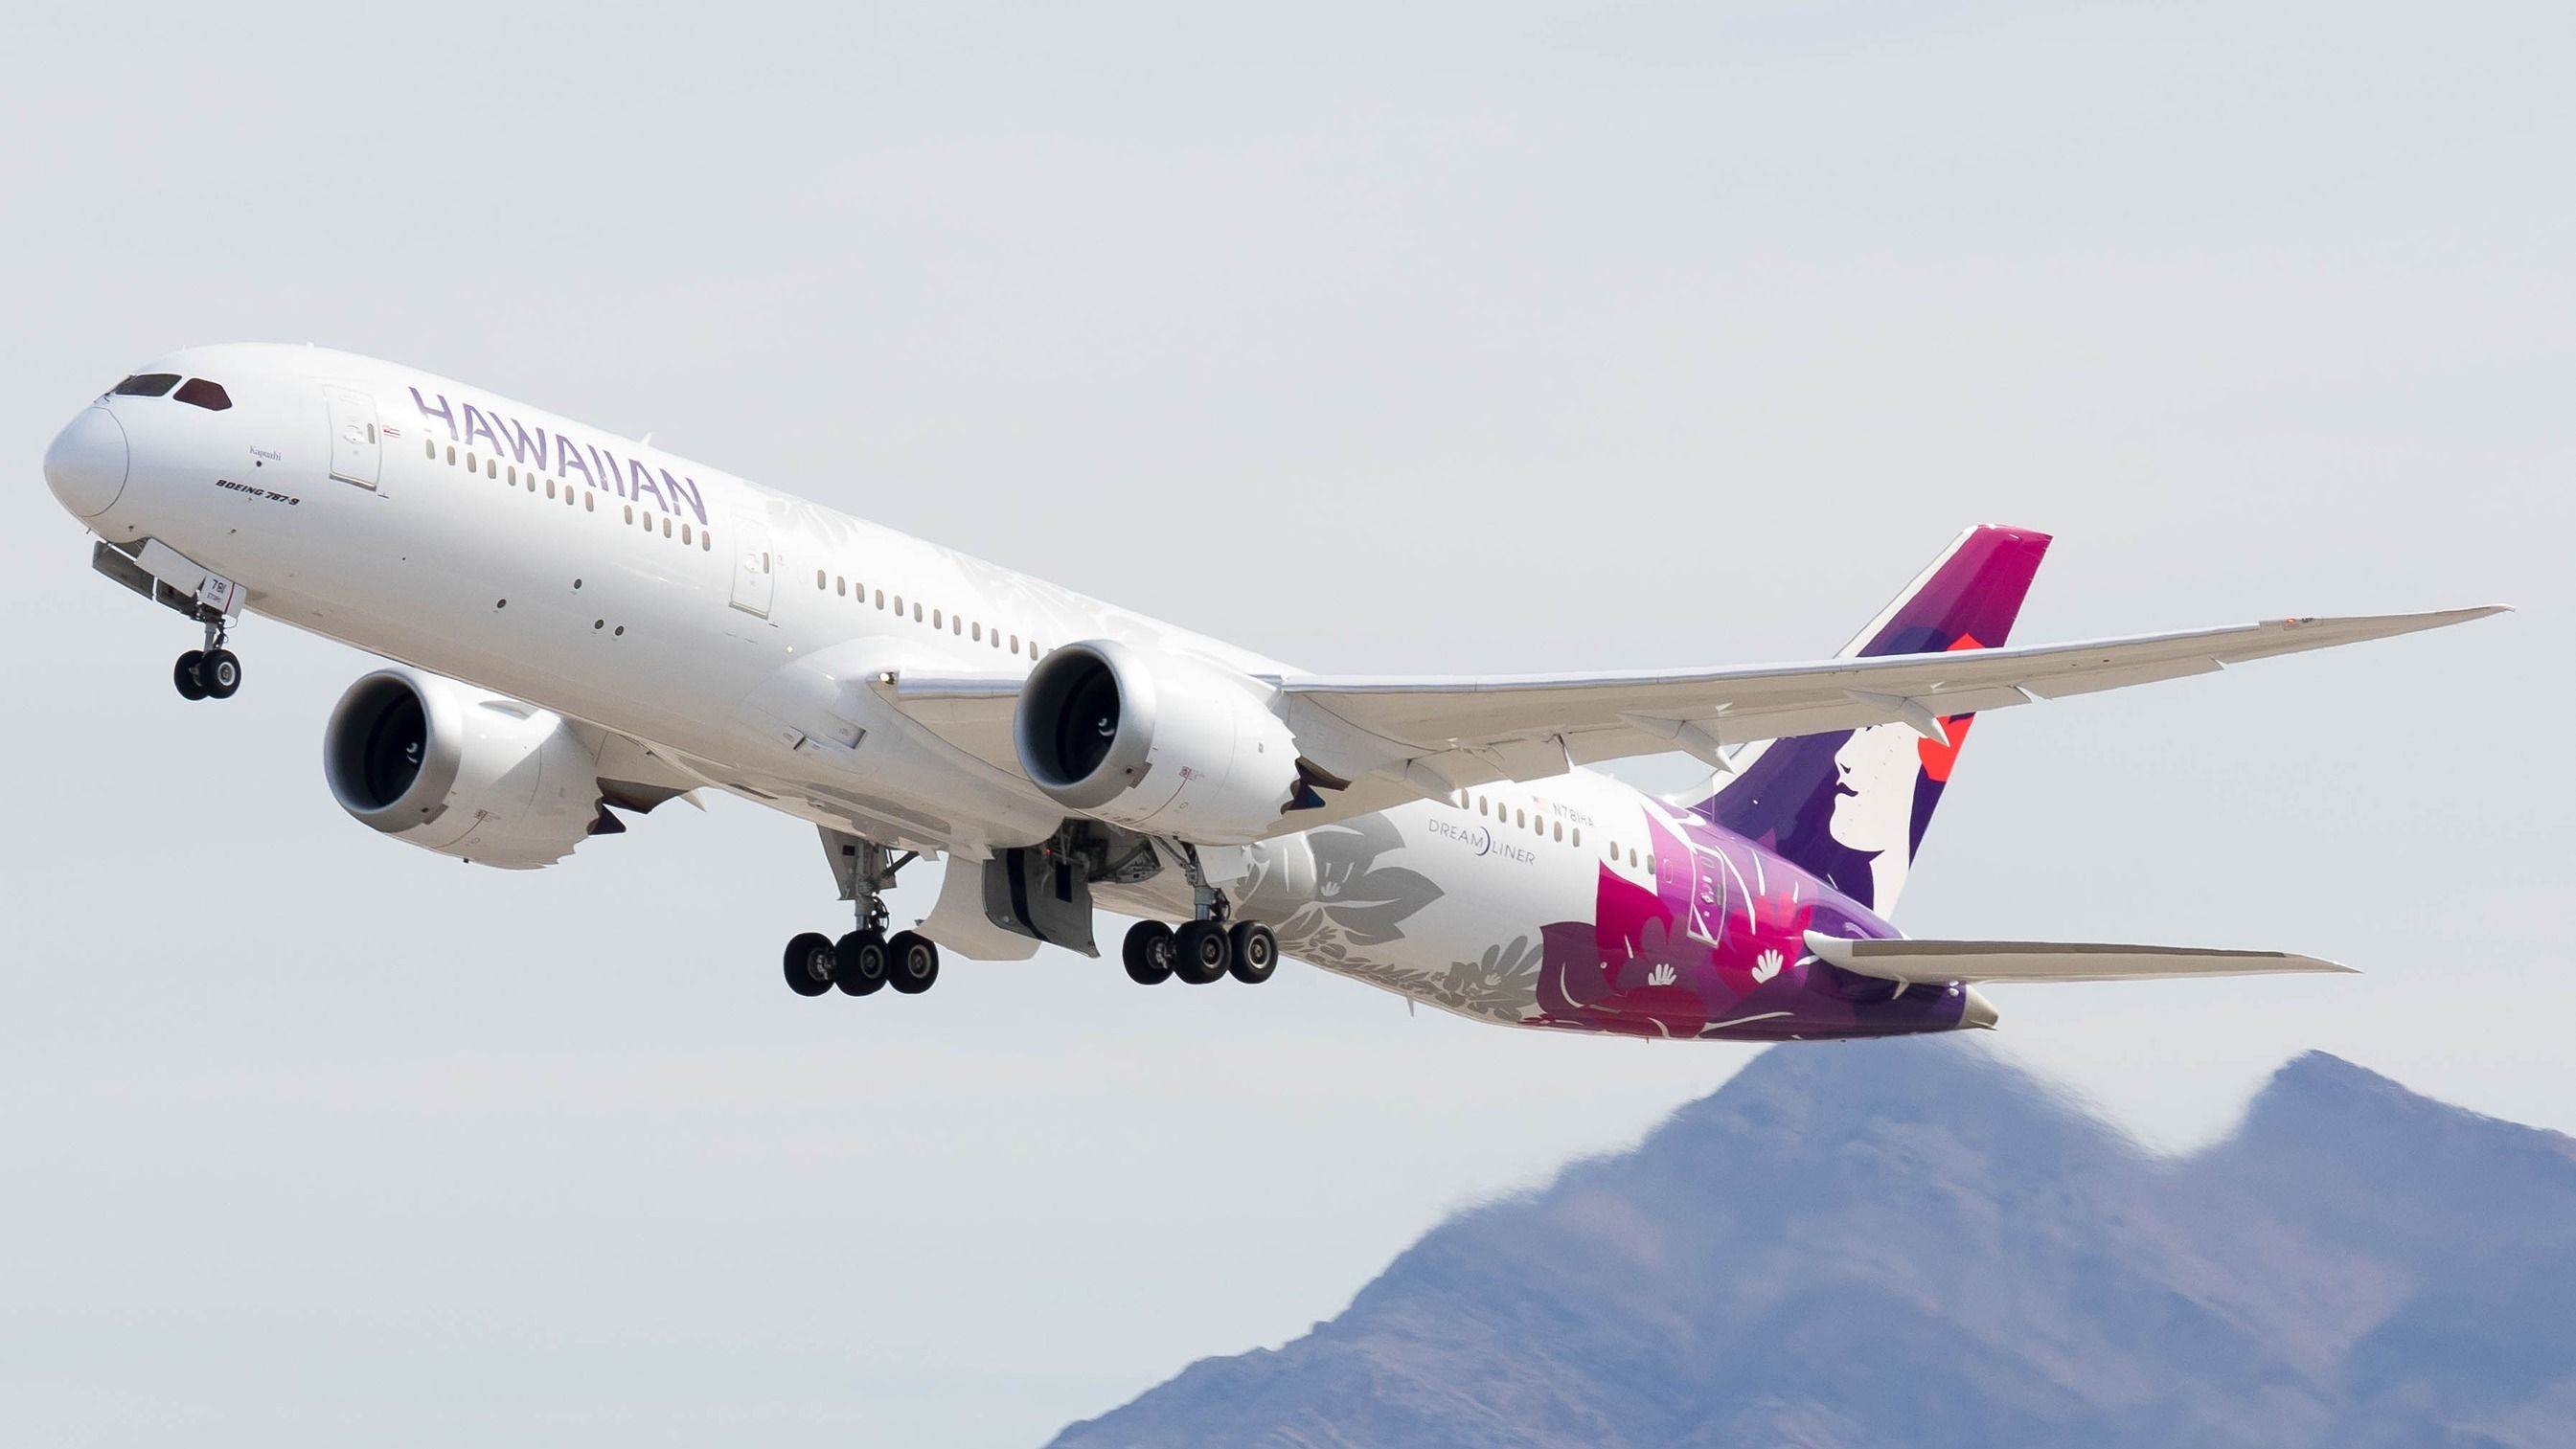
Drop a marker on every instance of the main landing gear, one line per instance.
(1200, 952)
(209, 673)
(867, 959)
(1204, 950)
(862, 962)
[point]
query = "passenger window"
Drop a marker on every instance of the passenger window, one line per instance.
(197, 392)
(589, 501)
(684, 534)
(451, 455)
(145, 384)
(841, 586)
(630, 513)
(1521, 819)
(916, 612)
(818, 578)
(470, 465)
(979, 633)
(666, 525)
(898, 603)
(431, 447)
(648, 520)
(880, 598)
(956, 625)
(550, 488)
(492, 470)
(707, 543)
(1015, 643)
(1557, 831)
(513, 479)
(934, 618)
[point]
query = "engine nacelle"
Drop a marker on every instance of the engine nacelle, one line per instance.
(450, 768)
(1156, 743)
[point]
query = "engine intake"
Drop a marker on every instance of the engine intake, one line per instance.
(441, 765)
(1154, 742)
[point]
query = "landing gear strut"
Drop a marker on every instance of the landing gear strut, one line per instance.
(865, 960)
(212, 672)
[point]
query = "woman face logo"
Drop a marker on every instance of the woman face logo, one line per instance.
(1874, 799)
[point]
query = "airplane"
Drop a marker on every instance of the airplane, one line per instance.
(582, 629)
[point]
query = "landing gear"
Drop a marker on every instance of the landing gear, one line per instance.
(915, 963)
(809, 964)
(1254, 949)
(1201, 952)
(221, 673)
(1204, 950)
(212, 672)
(859, 963)
(865, 961)
(1148, 953)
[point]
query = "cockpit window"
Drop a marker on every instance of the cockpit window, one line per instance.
(146, 384)
(208, 395)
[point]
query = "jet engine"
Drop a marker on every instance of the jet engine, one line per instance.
(1154, 742)
(450, 768)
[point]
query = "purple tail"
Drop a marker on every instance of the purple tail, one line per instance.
(1852, 807)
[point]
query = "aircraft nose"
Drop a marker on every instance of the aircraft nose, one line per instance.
(86, 465)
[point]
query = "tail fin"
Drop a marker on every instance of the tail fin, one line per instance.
(1851, 807)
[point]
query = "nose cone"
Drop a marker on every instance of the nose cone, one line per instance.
(86, 465)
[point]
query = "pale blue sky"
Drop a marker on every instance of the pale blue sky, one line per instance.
(1449, 338)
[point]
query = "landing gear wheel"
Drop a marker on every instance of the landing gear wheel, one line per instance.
(220, 672)
(809, 964)
(184, 674)
(859, 963)
(1200, 952)
(1148, 953)
(914, 962)
(1256, 953)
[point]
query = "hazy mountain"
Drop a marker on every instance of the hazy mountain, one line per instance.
(1910, 1243)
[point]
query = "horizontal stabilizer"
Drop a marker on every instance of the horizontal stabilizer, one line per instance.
(1910, 961)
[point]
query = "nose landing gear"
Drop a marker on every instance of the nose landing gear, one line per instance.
(212, 672)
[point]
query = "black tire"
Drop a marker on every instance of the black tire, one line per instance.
(184, 675)
(1148, 953)
(1256, 953)
(859, 963)
(809, 964)
(1200, 952)
(912, 962)
(221, 673)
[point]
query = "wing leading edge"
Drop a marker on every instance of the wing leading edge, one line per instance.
(1906, 961)
(1464, 731)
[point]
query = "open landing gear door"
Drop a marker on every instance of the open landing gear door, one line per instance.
(357, 455)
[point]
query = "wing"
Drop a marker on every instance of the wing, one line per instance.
(1446, 733)
(1910, 961)
(1377, 742)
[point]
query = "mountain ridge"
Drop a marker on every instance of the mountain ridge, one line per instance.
(1916, 1242)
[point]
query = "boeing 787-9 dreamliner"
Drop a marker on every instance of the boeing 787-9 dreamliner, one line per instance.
(586, 628)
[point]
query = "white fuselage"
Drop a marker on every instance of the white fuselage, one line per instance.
(732, 630)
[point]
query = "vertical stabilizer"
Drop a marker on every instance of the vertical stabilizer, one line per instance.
(1852, 807)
